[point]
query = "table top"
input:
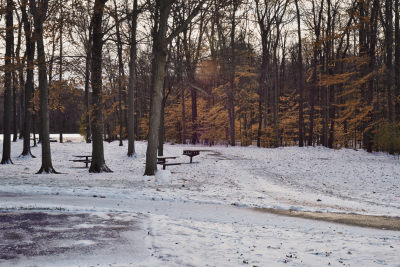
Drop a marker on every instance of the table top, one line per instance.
(82, 156)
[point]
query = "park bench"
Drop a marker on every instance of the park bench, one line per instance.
(191, 154)
(162, 160)
(83, 158)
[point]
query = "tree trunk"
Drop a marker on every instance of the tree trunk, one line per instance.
(314, 87)
(6, 159)
(132, 82)
(158, 74)
(39, 15)
(368, 136)
(87, 85)
(161, 137)
(301, 119)
(160, 43)
(231, 90)
(61, 119)
(18, 80)
(98, 164)
(120, 72)
(14, 99)
(397, 59)
(263, 82)
(389, 56)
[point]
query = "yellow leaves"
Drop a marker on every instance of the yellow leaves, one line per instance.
(335, 79)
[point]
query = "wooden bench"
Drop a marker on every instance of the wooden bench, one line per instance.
(86, 159)
(191, 154)
(161, 160)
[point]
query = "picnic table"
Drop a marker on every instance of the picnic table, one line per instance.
(83, 158)
(191, 153)
(162, 160)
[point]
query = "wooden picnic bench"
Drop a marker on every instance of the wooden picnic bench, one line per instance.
(191, 153)
(83, 158)
(162, 160)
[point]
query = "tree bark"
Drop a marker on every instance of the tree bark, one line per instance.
(314, 87)
(121, 75)
(98, 164)
(132, 82)
(368, 135)
(61, 119)
(39, 10)
(231, 90)
(6, 157)
(87, 85)
(389, 56)
(301, 77)
(158, 75)
(160, 43)
(397, 59)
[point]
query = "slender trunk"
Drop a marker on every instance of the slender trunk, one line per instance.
(120, 73)
(21, 98)
(183, 116)
(132, 83)
(18, 80)
(276, 93)
(98, 163)
(397, 59)
(6, 159)
(61, 120)
(314, 87)
(389, 55)
(301, 119)
(368, 134)
(231, 90)
(87, 86)
(262, 83)
(14, 99)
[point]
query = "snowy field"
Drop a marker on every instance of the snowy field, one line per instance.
(200, 214)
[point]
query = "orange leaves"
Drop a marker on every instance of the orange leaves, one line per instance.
(335, 79)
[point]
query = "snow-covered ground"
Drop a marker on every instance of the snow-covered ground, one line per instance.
(198, 214)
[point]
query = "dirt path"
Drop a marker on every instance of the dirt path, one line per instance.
(377, 222)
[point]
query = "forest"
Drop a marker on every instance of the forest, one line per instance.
(267, 73)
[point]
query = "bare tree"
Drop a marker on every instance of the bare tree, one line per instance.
(160, 44)
(29, 84)
(39, 11)
(98, 163)
(132, 80)
(301, 77)
(6, 159)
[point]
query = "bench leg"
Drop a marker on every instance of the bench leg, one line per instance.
(191, 158)
(163, 166)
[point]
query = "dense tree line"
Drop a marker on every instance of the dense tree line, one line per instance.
(273, 73)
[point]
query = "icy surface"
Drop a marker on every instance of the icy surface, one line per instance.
(197, 214)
